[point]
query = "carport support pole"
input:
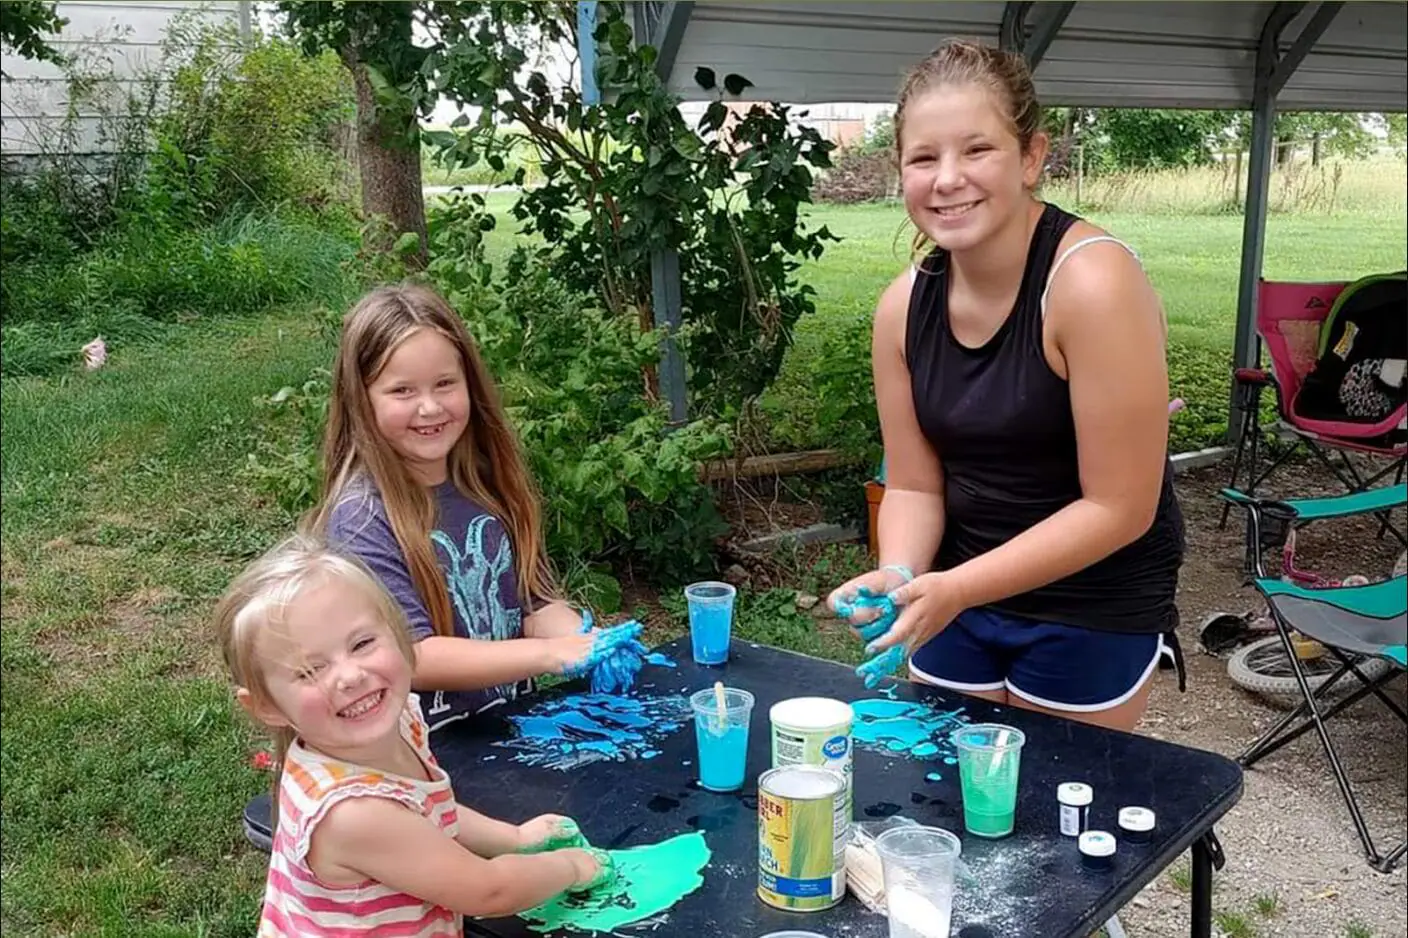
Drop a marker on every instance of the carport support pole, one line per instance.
(1254, 224)
(665, 290)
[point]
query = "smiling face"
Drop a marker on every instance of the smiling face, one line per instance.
(963, 170)
(420, 400)
(334, 672)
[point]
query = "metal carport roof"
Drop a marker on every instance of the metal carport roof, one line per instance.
(1350, 56)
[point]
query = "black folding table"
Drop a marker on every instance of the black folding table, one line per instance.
(1030, 884)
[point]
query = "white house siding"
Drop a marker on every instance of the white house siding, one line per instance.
(34, 95)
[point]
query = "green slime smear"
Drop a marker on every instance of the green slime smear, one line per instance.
(649, 880)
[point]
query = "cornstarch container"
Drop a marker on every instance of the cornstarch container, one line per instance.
(817, 731)
(799, 866)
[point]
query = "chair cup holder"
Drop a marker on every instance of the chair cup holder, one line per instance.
(1274, 527)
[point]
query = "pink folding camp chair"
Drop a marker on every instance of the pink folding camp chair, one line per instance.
(1300, 334)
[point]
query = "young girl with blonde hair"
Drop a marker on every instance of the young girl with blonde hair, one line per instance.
(425, 482)
(370, 837)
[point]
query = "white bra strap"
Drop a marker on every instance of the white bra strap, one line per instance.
(1071, 250)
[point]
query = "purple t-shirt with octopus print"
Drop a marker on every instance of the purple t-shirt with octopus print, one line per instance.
(475, 557)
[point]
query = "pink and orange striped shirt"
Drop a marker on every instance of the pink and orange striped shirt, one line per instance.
(296, 902)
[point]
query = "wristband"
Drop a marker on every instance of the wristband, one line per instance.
(901, 569)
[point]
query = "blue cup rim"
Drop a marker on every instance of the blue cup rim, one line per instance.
(710, 591)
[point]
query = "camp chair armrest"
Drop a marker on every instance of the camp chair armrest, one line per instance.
(1257, 376)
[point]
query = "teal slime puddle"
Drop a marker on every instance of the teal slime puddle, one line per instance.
(649, 880)
(905, 728)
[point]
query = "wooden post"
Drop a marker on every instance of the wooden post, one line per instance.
(1080, 171)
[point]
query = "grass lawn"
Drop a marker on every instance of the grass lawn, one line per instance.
(126, 511)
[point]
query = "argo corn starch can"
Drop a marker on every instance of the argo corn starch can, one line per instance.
(799, 868)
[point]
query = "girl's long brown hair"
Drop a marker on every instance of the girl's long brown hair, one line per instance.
(486, 463)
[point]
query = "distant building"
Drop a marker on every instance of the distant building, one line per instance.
(34, 98)
(843, 123)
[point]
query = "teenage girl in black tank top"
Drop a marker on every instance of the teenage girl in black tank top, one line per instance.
(1022, 388)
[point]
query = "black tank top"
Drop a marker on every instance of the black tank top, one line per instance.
(1000, 420)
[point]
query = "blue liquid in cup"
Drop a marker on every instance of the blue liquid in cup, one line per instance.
(710, 621)
(722, 736)
(723, 757)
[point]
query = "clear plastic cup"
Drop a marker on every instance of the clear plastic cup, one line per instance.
(918, 865)
(710, 620)
(722, 737)
(989, 762)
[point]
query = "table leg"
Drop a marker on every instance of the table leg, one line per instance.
(1206, 854)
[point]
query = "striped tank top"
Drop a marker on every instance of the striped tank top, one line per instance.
(296, 902)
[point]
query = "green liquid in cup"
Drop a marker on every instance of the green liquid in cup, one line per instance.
(989, 782)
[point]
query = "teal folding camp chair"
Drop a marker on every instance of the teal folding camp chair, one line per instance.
(1353, 623)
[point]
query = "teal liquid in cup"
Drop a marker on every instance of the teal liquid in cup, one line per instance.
(989, 763)
(722, 737)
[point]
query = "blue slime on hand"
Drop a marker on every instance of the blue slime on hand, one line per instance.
(616, 657)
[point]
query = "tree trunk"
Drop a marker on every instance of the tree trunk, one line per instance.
(390, 171)
(1315, 149)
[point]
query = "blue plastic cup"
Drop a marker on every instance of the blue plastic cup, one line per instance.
(722, 735)
(710, 620)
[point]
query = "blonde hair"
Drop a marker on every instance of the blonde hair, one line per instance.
(486, 463)
(1003, 74)
(256, 604)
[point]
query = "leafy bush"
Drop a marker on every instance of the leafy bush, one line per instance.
(248, 125)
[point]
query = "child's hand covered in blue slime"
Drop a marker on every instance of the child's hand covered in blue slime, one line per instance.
(616, 657)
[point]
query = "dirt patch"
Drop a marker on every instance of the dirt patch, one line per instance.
(151, 621)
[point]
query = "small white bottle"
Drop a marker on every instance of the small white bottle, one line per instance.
(1075, 799)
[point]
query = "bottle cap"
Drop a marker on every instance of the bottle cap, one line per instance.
(1097, 844)
(1075, 794)
(1136, 819)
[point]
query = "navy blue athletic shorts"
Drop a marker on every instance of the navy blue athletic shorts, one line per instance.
(1060, 667)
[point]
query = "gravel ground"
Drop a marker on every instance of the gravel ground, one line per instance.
(1295, 867)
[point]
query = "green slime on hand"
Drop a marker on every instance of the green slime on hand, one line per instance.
(649, 880)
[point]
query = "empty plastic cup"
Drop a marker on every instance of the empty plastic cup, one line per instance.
(918, 866)
(710, 620)
(722, 734)
(989, 760)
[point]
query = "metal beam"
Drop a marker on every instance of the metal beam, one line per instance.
(1045, 31)
(1246, 350)
(665, 295)
(1296, 54)
(586, 51)
(1012, 34)
(668, 34)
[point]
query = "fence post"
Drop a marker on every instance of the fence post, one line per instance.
(1080, 171)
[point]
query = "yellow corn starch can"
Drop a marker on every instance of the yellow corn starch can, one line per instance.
(799, 868)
